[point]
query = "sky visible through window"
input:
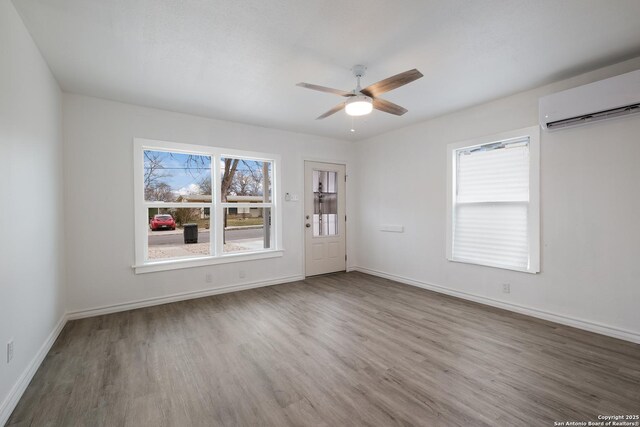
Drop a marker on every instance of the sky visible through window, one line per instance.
(170, 175)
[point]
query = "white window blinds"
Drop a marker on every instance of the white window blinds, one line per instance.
(491, 205)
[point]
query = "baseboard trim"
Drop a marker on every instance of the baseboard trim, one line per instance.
(533, 312)
(16, 392)
(182, 296)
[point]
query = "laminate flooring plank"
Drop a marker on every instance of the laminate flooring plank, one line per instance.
(341, 349)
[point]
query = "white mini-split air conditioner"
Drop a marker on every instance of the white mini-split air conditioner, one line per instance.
(605, 99)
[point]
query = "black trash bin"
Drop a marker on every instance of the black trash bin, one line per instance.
(191, 233)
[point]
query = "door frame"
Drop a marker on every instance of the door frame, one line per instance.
(346, 208)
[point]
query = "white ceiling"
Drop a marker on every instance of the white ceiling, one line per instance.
(240, 60)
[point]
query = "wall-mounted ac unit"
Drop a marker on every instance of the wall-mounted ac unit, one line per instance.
(605, 99)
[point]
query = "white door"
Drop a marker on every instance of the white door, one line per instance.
(324, 218)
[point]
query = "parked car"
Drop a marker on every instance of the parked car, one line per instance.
(162, 222)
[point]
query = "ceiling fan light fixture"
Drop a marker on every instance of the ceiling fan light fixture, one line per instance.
(358, 105)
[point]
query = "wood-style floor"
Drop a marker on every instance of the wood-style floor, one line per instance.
(339, 350)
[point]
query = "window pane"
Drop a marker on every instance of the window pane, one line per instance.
(325, 203)
(245, 230)
(245, 180)
(167, 237)
(494, 175)
(492, 233)
(176, 177)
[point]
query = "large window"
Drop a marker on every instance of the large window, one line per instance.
(198, 205)
(493, 216)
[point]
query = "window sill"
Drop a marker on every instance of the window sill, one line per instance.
(152, 267)
(522, 270)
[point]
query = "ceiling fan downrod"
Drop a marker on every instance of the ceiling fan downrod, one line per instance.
(358, 72)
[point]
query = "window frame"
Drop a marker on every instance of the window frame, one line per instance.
(217, 255)
(533, 223)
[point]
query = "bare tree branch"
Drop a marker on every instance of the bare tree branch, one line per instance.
(153, 169)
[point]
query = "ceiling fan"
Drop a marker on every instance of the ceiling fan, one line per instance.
(362, 101)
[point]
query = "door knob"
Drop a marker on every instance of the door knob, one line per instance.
(307, 225)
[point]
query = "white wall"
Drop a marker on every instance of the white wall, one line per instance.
(31, 249)
(590, 197)
(99, 199)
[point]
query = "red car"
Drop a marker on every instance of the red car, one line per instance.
(162, 222)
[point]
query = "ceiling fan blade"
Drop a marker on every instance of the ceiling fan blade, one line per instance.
(388, 107)
(332, 111)
(391, 83)
(325, 89)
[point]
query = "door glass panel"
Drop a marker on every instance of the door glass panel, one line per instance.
(325, 203)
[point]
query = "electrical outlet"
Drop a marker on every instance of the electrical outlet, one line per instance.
(506, 288)
(242, 274)
(208, 278)
(9, 351)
